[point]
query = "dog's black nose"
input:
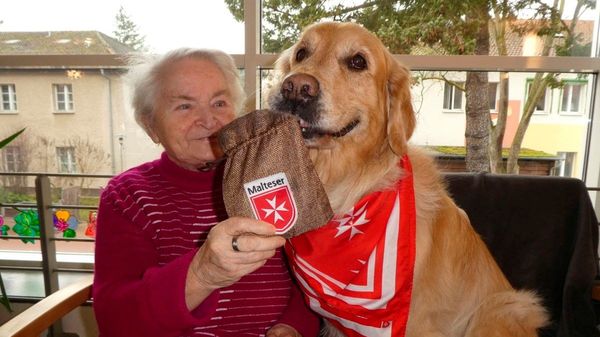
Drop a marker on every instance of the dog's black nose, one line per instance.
(300, 87)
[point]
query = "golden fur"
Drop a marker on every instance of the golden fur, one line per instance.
(458, 288)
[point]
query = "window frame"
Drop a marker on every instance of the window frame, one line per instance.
(12, 98)
(582, 97)
(70, 164)
(13, 151)
(69, 105)
(453, 97)
(547, 98)
(253, 61)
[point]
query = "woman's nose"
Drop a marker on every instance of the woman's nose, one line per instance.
(206, 118)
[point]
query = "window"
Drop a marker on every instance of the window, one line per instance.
(565, 165)
(540, 107)
(453, 97)
(66, 159)
(63, 97)
(572, 98)
(493, 95)
(12, 158)
(9, 97)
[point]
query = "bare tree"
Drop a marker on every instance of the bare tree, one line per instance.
(90, 157)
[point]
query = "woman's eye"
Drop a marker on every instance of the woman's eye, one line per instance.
(357, 63)
(220, 104)
(184, 107)
(301, 54)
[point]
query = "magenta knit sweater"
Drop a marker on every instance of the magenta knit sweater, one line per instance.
(151, 221)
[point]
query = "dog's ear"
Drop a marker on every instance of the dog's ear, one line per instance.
(400, 115)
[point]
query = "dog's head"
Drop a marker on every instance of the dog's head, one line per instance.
(346, 89)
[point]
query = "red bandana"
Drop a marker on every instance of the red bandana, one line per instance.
(357, 270)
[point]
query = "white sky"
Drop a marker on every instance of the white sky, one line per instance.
(166, 24)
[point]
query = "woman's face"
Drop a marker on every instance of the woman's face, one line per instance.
(194, 102)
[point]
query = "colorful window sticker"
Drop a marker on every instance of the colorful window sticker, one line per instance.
(66, 223)
(91, 227)
(3, 228)
(27, 224)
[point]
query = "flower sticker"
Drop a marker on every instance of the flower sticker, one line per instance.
(27, 224)
(3, 228)
(91, 227)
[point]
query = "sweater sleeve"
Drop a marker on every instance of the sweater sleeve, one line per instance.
(132, 294)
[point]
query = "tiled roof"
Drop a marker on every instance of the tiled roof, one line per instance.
(61, 43)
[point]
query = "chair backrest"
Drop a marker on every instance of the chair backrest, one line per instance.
(40, 316)
(543, 233)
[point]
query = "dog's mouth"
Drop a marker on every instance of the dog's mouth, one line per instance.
(310, 131)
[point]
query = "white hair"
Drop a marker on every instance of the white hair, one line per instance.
(145, 76)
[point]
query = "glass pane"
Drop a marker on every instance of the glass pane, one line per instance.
(159, 25)
(575, 96)
(492, 90)
(452, 35)
(446, 132)
(566, 97)
(541, 103)
(21, 221)
(457, 104)
(447, 96)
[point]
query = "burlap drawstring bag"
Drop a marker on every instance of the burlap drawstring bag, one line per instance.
(269, 175)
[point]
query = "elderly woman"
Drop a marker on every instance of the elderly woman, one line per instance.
(168, 262)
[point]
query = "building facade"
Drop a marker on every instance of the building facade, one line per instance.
(69, 92)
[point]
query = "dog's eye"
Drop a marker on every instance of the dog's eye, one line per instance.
(357, 63)
(301, 54)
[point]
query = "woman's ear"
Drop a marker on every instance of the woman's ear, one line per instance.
(149, 127)
(400, 115)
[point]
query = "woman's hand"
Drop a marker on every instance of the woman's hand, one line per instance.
(217, 264)
(282, 330)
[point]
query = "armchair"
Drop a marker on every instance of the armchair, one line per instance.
(40, 316)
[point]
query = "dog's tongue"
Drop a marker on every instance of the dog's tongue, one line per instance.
(269, 175)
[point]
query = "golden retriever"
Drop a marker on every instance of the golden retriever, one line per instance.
(353, 102)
